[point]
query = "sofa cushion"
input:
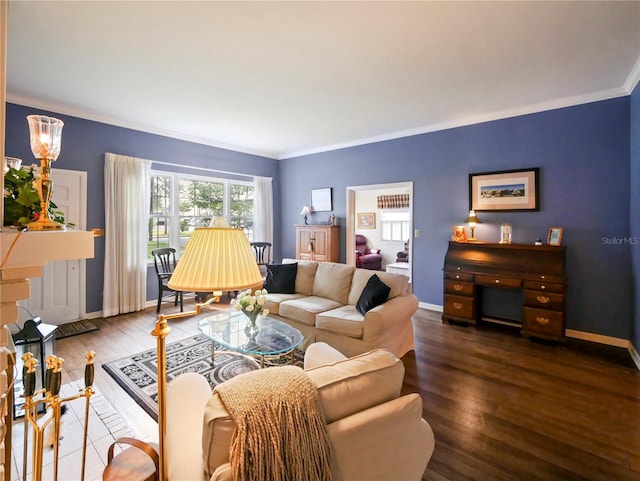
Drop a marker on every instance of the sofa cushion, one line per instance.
(281, 278)
(333, 281)
(399, 284)
(305, 309)
(273, 301)
(306, 275)
(352, 385)
(373, 294)
(345, 320)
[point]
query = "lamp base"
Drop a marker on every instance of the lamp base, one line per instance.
(45, 224)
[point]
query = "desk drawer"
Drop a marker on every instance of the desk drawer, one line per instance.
(544, 286)
(459, 288)
(543, 323)
(544, 300)
(459, 276)
(499, 281)
(458, 306)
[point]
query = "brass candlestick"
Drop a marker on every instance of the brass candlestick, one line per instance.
(46, 136)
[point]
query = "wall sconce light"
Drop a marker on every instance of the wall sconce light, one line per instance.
(472, 220)
(46, 136)
(305, 212)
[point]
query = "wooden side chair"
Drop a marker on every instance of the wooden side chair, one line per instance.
(262, 251)
(164, 260)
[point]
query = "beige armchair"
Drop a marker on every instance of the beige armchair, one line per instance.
(375, 434)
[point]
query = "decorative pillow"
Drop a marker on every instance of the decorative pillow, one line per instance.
(373, 294)
(281, 278)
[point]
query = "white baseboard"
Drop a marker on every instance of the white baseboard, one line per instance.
(430, 307)
(634, 355)
(585, 336)
(599, 338)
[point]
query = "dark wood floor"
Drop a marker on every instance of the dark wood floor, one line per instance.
(502, 407)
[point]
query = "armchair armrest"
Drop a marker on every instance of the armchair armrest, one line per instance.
(384, 316)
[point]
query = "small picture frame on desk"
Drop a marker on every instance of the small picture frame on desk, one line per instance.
(459, 234)
(555, 236)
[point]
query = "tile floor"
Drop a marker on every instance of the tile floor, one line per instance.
(105, 425)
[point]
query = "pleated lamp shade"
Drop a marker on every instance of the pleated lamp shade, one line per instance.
(216, 259)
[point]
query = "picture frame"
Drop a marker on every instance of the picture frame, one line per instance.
(506, 190)
(321, 200)
(366, 220)
(554, 238)
(459, 233)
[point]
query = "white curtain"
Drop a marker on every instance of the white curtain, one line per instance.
(127, 182)
(263, 210)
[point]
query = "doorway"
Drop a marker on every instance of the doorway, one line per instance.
(58, 297)
(359, 199)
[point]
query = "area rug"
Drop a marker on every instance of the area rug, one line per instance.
(75, 328)
(137, 374)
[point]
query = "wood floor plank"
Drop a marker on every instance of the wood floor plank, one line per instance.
(502, 407)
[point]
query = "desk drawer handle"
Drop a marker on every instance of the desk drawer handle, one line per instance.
(542, 299)
(457, 277)
(543, 287)
(457, 305)
(542, 321)
(458, 287)
(497, 281)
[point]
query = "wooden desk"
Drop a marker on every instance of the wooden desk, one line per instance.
(538, 271)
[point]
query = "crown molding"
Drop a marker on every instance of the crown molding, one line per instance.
(503, 114)
(89, 115)
(632, 80)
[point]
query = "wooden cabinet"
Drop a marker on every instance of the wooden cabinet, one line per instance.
(320, 243)
(537, 271)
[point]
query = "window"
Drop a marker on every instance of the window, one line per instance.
(395, 225)
(180, 203)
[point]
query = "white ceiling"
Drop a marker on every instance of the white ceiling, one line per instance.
(281, 79)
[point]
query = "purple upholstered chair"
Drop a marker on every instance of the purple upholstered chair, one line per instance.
(365, 257)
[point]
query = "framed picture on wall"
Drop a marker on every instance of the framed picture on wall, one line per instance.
(321, 200)
(507, 190)
(366, 220)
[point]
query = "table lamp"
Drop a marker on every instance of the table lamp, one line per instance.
(472, 220)
(305, 212)
(215, 259)
(46, 137)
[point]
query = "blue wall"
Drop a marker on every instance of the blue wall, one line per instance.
(583, 156)
(84, 144)
(635, 210)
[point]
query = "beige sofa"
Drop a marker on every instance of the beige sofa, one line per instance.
(323, 309)
(374, 433)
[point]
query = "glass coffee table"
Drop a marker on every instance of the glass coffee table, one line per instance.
(273, 340)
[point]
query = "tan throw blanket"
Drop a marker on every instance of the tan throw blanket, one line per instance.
(281, 433)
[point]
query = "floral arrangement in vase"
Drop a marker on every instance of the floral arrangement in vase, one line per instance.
(251, 304)
(21, 199)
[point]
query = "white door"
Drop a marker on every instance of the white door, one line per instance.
(58, 297)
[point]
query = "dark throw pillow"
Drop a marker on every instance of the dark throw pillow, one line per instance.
(373, 294)
(281, 278)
